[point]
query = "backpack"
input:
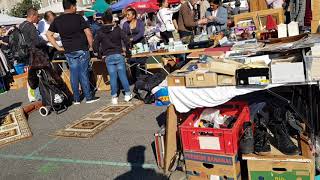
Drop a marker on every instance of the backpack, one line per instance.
(18, 45)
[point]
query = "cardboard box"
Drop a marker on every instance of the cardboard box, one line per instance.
(282, 167)
(176, 80)
(222, 67)
(314, 25)
(312, 64)
(287, 72)
(20, 81)
(201, 79)
(205, 166)
(225, 80)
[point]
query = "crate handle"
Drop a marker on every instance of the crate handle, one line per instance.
(208, 166)
(279, 169)
(207, 134)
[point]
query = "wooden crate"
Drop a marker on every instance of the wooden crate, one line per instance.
(20, 81)
(278, 13)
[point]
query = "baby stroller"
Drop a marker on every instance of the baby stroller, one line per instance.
(54, 93)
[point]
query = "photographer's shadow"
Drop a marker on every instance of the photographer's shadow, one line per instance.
(136, 159)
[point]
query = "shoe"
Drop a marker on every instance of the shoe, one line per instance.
(281, 140)
(247, 141)
(92, 100)
(261, 141)
(127, 98)
(293, 122)
(114, 100)
(76, 102)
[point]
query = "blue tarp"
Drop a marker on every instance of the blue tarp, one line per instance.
(121, 5)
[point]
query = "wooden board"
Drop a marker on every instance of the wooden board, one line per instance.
(170, 138)
(278, 13)
(166, 53)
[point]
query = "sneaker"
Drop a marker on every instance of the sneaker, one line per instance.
(94, 99)
(247, 141)
(127, 98)
(114, 100)
(76, 102)
(261, 141)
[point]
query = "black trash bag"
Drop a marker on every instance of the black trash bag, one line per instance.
(144, 85)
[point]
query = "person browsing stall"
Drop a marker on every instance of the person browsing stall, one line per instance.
(77, 40)
(165, 18)
(134, 27)
(217, 16)
(109, 40)
(186, 21)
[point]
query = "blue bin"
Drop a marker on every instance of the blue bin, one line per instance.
(162, 97)
(19, 68)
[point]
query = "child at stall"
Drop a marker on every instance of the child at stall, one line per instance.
(108, 43)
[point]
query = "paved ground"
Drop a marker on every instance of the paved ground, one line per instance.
(121, 151)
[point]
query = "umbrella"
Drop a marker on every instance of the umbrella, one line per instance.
(6, 20)
(58, 8)
(100, 6)
(121, 5)
(144, 7)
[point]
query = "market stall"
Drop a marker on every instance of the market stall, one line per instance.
(202, 91)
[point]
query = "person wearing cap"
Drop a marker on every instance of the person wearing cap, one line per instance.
(97, 23)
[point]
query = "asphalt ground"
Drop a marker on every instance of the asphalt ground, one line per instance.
(124, 150)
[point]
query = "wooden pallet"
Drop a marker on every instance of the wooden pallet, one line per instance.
(278, 13)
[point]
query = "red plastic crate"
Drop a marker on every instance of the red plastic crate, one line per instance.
(221, 141)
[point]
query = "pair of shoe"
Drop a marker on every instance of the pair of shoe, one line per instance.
(254, 143)
(90, 101)
(127, 98)
(259, 141)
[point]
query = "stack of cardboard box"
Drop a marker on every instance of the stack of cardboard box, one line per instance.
(217, 72)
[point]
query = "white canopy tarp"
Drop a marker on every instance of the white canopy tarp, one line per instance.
(58, 8)
(6, 20)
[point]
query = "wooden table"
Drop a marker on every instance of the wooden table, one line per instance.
(142, 55)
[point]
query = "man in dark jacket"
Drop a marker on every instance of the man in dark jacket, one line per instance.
(109, 40)
(30, 32)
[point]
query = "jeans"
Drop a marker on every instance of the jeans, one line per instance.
(79, 63)
(116, 67)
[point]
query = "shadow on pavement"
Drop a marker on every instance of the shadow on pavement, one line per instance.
(136, 159)
(9, 108)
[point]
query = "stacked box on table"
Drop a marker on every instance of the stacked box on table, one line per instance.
(287, 72)
(312, 65)
(214, 140)
(208, 166)
(282, 167)
(201, 78)
(177, 78)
